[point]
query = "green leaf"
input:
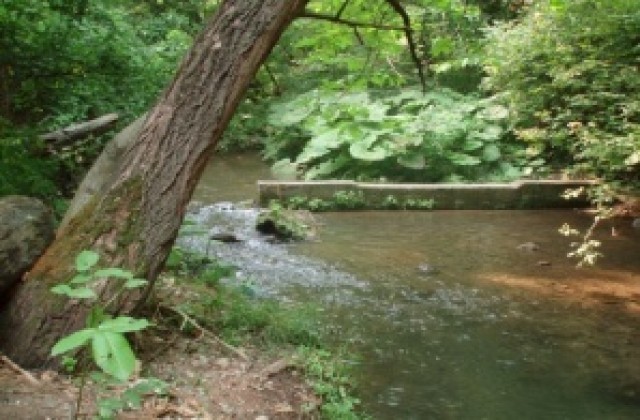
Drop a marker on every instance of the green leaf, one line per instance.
(61, 289)
(462, 159)
(135, 283)
(123, 324)
(488, 133)
(72, 341)
(113, 354)
(284, 170)
(74, 293)
(82, 293)
(412, 161)
(113, 272)
(491, 153)
(472, 144)
(86, 259)
(80, 278)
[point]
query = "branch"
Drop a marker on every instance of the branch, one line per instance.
(351, 23)
(408, 32)
(81, 130)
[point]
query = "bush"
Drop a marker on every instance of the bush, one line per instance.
(569, 70)
(402, 135)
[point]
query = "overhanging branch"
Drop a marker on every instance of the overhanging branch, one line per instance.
(348, 22)
(408, 33)
(406, 28)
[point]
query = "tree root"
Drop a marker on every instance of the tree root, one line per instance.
(27, 375)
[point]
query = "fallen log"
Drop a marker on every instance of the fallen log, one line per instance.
(80, 130)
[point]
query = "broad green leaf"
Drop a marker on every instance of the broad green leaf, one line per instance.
(123, 324)
(113, 354)
(491, 153)
(113, 272)
(86, 260)
(360, 150)
(72, 341)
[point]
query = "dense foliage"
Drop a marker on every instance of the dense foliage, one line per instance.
(570, 73)
(514, 87)
(63, 62)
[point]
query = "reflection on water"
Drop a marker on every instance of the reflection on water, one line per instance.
(488, 331)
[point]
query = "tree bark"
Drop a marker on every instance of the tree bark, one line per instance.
(134, 222)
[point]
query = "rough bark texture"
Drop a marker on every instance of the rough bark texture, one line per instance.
(134, 223)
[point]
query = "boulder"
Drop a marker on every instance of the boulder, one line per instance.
(26, 229)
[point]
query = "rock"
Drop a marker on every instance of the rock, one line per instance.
(224, 237)
(286, 224)
(26, 230)
(543, 263)
(636, 223)
(528, 247)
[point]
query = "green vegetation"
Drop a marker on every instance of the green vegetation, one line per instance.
(111, 352)
(513, 88)
(233, 310)
(353, 200)
(569, 72)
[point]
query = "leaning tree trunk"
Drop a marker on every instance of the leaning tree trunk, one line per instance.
(133, 223)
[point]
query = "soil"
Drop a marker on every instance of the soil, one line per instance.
(206, 382)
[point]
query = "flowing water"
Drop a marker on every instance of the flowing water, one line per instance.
(452, 317)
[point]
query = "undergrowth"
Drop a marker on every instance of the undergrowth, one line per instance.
(211, 296)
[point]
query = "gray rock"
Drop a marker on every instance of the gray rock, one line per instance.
(26, 229)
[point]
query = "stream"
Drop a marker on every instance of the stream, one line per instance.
(451, 316)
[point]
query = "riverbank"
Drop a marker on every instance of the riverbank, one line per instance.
(216, 353)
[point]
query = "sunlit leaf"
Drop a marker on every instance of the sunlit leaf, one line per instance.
(123, 324)
(113, 354)
(491, 153)
(72, 341)
(86, 260)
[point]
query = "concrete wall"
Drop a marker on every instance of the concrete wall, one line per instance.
(493, 196)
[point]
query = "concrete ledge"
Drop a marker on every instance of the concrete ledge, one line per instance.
(490, 196)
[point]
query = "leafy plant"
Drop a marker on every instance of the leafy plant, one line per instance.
(104, 335)
(401, 136)
(568, 70)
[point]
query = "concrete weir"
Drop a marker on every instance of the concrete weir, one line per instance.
(526, 194)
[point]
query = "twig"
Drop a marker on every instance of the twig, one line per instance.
(28, 376)
(187, 319)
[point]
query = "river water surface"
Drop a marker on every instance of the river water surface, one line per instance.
(451, 316)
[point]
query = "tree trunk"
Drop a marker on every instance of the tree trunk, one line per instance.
(133, 223)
